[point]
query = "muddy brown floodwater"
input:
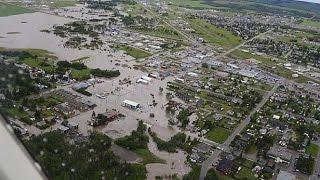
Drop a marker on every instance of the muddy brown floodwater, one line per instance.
(29, 36)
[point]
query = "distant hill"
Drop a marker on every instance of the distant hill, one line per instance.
(282, 7)
(292, 4)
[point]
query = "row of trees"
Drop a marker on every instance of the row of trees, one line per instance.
(105, 73)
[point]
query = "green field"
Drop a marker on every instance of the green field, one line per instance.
(162, 31)
(134, 52)
(9, 9)
(16, 112)
(82, 74)
(311, 23)
(148, 157)
(214, 35)
(62, 3)
(294, 8)
(242, 55)
(245, 173)
(190, 4)
(218, 135)
(313, 149)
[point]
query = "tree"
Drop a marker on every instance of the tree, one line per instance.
(211, 175)
(183, 117)
(205, 65)
(305, 164)
(128, 20)
(38, 116)
(64, 64)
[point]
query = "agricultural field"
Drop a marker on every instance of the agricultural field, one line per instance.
(10, 9)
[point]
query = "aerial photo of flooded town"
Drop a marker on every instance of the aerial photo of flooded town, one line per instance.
(159, 89)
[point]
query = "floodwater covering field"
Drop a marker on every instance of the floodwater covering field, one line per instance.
(27, 28)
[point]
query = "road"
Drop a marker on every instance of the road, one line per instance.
(15, 161)
(215, 155)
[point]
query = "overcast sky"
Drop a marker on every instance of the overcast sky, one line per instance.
(315, 1)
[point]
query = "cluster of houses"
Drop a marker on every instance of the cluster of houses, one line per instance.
(72, 105)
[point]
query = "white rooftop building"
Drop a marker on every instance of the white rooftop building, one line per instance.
(146, 78)
(131, 104)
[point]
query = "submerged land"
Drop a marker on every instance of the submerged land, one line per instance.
(163, 89)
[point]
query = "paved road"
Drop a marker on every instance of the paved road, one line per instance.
(215, 155)
(248, 118)
(15, 162)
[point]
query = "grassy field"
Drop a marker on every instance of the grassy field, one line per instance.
(162, 31)
(218, 135)
(62, 3)
(148, 157)
(214, 35)
(134, 52)
(245, 173)
(189, 3)
(252, 149)
(39, 52)
(81, 74)
(16, 112)
(313, 149)
(136, 10)
(311, 23)
(242, 55)
(9, 9)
